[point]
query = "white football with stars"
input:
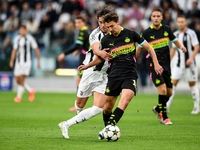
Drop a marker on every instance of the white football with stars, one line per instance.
(111, 133)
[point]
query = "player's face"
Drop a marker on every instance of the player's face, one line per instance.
(102, 26)
(22, 31)
(181, 23)
(156, 18)
(79, 24)
(113, 27)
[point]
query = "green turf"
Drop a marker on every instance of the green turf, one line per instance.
(27, 126)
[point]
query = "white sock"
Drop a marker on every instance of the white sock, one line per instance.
(195, 95)
(20, 91)
(171, 97)
(78, 110)
(85, 115)
(27, 87)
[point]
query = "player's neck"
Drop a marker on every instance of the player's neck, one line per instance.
(157, 27)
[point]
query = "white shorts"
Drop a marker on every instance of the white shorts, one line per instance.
(94, 81)
(22, 69)
(189, 74)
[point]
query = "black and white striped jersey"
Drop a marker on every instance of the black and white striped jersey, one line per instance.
(96, 36)
(189, 40)
(23, 46)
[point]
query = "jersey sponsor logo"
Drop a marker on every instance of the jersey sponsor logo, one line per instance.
(81, 33)
(111, 44)
(127, 40)
(159, 43)
(125, 49)
(166, 33)
(152, 37)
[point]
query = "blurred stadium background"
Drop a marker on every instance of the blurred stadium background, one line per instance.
(51, 23)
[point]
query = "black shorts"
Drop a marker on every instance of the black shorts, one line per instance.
(165, 78)
(115, 86)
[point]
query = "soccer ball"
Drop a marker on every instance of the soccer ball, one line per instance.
(111, 133)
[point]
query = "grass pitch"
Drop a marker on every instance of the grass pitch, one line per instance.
(33, 126)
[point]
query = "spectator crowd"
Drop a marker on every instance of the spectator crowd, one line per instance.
(51, 21)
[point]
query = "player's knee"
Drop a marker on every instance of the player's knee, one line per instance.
(96, 110)
(163, 91)
(169, 93)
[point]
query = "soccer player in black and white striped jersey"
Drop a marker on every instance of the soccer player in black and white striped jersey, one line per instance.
(185, 62)
(93, 80)
(21, 53)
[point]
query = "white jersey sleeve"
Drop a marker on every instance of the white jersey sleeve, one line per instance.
(95, 36)
(194, 39)
(15, 45)
(33, 42)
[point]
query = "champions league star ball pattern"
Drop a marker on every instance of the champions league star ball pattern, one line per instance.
(111, 133)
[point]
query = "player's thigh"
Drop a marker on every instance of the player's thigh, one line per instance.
(167, 78)
(126, 96)
(17, 69)
(177, 73)
(99, 99)
(191, 74)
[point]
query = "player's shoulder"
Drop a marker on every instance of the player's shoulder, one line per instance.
(176, 32)
(29, 36)
(166, 27)
(95, 33)
(190, 31)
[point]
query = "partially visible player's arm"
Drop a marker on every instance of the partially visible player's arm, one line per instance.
(95, 62)
(172, 52)
(37, 52)
(62, 55)
(180, 46)
(12, 57)
(195, 51)
(138, 51)
(103, 54)
(157, 67)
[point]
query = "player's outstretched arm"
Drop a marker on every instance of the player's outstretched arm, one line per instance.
(95, 62)
(37, 52)
(138, 51)
(180, 46)
(12, 58)
(158, 69)
(103, 54)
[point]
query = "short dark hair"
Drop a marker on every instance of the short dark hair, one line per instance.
(22, 26)
(103, 11)
(81, 18)
(112, 16)
(181, 16)
(157, 9)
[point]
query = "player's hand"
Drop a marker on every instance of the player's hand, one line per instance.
(61, 57)
(82, 67)
(183, 49)
(158, 69)
(38, 65)
(189, 62)
(75, 53)
(105, 55)
(11, 64)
